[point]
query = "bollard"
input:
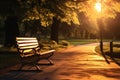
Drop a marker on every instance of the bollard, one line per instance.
(101, 46)
(111, 47)
(102, 52)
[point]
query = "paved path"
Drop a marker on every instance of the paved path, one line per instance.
(74, 63)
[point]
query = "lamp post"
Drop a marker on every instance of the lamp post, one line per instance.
(98, 7)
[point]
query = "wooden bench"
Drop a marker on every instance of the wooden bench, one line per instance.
(30, 52)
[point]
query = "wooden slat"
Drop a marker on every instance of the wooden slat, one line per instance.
(27, 47)
(26, 38)
(26, 42)
(23, 41)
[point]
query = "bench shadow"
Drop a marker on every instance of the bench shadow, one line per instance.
(35, 71)
(44, 64)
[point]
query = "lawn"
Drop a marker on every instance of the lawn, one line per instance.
(115, 56)
(82, 41)
(8, 57)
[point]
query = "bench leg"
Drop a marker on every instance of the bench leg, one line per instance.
(21, 66)
(50, 61)
(38, 68)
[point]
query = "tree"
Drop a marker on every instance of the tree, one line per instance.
(11, 30)
(50, 13)
(113, 27)
(8, 12)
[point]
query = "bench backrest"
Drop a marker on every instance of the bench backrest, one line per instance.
(26, 45)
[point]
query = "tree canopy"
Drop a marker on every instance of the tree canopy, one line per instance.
(45, 10)
(65, 10)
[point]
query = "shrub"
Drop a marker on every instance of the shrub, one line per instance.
(53, 44)
(64, 43)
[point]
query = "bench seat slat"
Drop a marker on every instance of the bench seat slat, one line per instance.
(23, 41)
(28, 47)
(26, 38)
(31, 44)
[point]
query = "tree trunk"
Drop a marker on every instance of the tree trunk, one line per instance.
(54, 30)
(11, 31)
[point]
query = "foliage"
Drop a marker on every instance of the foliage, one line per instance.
(53, 44)
(45, 10)
(64, 43)
(45, 44)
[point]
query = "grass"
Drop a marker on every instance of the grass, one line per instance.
(8, 57)
(115, 56)
(81, 41)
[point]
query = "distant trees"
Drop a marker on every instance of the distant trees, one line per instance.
(113, 27)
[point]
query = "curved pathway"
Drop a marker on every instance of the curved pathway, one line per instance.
(74, 63)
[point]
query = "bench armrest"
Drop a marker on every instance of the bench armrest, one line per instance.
(27, 53)
(46, 52)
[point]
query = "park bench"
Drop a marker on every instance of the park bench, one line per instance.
(30, 52)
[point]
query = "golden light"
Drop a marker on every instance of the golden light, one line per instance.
(98, 6)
